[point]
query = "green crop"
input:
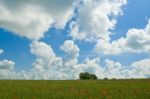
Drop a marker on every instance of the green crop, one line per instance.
(75, 89)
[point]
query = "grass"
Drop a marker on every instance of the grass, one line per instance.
(77, 89)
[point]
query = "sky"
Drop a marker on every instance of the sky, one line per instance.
(53, 39)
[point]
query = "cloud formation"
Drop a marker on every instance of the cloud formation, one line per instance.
(32, 18)
(136, 41)
(93, 19)
(71, 49)
(6, 68)
(6, 65)
(141, 69)
(1, 51)
(49, 66)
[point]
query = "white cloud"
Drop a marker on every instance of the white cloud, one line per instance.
(47, 65)
(6, 69)
(141, 69)
(114, 70)
(71, 61)
(107, 48)
(91, 66)
(138, 69)
(31, 18)
(51, 66)
(70, 48)
(136, 40)
(93, 20)
(42, 50)
(1, 51)
(71, 64)
(6, 65)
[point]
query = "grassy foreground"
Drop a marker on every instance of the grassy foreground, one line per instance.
(98, 89)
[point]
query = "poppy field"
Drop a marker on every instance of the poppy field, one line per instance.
(75, 89)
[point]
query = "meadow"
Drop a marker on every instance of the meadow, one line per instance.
(75, 89)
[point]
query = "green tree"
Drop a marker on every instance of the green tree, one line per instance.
(86, 76)
(93, 76)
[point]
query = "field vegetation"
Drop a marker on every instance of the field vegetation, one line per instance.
(75, 89)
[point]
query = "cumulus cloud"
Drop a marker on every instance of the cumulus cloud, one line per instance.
(41, 50)
(1, 51)
(114, 70)
(31, 18)
(50, 66)
(47, 65)
(141, 69)
(136, 41)
(92, 66)
(138, 69)
(70, 48)
(107, 48)
(71, 61)
(6, 65)
(92, 22)
(71, 64)
(93, 19)
(6, 68)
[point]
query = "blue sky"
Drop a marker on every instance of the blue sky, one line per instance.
(17, 46)
(136, 15)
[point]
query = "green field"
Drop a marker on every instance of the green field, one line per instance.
(77, 89)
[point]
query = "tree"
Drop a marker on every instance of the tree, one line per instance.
(106, 78)
(86, 76)
(93, 76)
